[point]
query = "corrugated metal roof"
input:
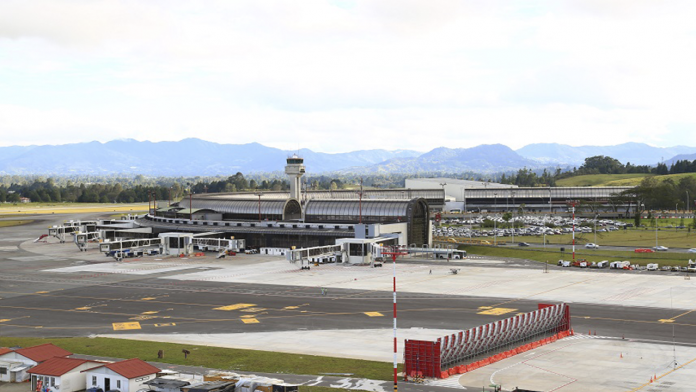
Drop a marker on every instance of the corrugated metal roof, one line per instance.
(383, 208)
(130, 368)
(42, 352)
(57, 366)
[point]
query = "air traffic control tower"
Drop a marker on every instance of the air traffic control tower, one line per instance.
(295, 169)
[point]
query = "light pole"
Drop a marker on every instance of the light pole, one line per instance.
(687, 202)
(595, 229)
(495, 220)
(513, 217)
(259, 195)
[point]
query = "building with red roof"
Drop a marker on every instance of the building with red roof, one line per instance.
(15, 363)
(61, 374)
(124, 376)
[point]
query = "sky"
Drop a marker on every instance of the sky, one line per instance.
(343, 75)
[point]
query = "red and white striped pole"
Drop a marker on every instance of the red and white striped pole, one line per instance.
(394, 278)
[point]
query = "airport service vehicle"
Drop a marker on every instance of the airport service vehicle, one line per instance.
(620, 264)
(666, 268)
(644, 250)
(603, 264)
(661, 248)
(692, 250)
(563, 263)
(653, 267)
(691, 268)
(590, 245)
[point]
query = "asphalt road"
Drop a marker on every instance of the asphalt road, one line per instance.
(36, 303)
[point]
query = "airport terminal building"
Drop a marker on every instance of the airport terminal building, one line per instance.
(302, 218)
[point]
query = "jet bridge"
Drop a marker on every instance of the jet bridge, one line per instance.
(307, 254)
(219, 244)
(60, 231)
(120, 249)
(82, 239)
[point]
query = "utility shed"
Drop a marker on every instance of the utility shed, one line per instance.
(125, 376)
(60, 374)
(16, 362)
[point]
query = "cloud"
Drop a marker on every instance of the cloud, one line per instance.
(345, 75)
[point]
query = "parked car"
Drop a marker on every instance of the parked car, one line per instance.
(661, 248)
(590, 245)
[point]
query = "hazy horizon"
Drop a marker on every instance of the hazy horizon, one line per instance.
(343, 75)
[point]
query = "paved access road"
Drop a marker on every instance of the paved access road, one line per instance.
(36, 303)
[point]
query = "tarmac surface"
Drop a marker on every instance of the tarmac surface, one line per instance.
(52, 289)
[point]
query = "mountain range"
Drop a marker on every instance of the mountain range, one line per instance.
(192, 157)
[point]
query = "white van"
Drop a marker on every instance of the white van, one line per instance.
(653, 267)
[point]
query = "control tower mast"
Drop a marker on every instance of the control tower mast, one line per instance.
(295, 169)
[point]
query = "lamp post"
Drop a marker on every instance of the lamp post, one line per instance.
(259, 195)
(495, 221)
(687, 202)
(513, 217)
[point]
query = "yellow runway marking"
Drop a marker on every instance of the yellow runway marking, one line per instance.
(497, 311)
(250, 320)
(3, 320)
(84, 308)
(291, 307)
(666, 320)
(662, 376)
(165, 325)
(235, 307)
(252, 310)
(485, 307)
(374, 314)
(150, 312)
(147, 298)
(41, 292)
(140, 318)
(125, 326)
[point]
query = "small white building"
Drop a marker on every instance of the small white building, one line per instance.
(61, 374)
(125, 376)
(14, 364)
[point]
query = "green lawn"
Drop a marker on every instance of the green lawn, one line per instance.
(640, 238)
(214, 357)
(553, 255)
(600, 179)
(616, 179)
(9, 223)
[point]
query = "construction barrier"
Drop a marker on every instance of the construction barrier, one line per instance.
(476, 347)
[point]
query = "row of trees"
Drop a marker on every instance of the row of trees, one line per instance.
(141, 190)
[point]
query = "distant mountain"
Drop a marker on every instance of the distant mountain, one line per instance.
(636, 153)
(185, 157)
(681, 157)
(485, 158)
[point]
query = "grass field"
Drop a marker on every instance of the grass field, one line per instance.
(616, 179)
(670, 238)
(69, 208)
(14, 222)
(553, 255)
(214, 357)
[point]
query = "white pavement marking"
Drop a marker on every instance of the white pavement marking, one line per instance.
(8, 248)
(360, 384)
(449, 382)
(133, 268)
(8, 239)
(35, 258)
